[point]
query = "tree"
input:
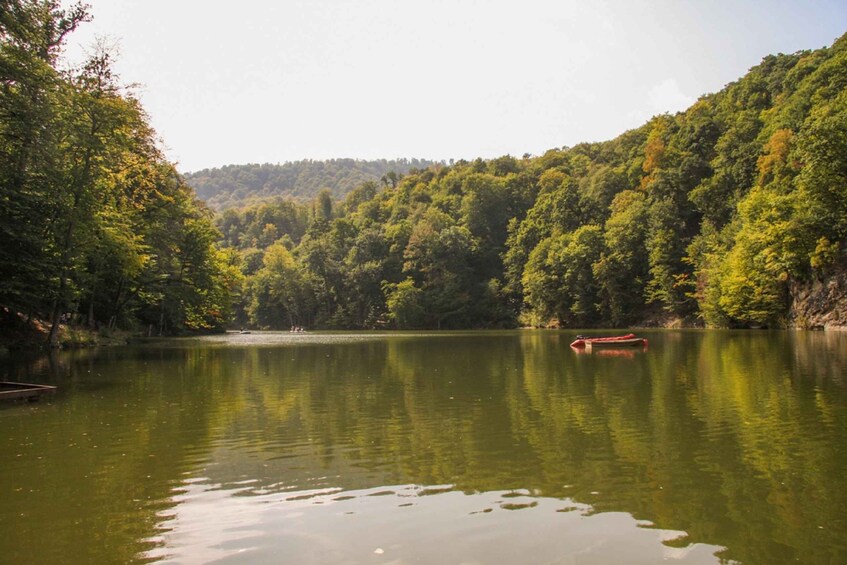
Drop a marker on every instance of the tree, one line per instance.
(822, 181)
(98, 124)
(278, 291)
(621, 271)
(559, 279)
(31, 35)
(404, 303)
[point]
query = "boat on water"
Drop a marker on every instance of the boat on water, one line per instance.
(23, 391)
(627, 340)
(618, 352)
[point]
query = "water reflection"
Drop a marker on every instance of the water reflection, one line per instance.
(263, 444)
(408, 523)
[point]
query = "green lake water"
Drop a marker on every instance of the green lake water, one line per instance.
(467, 447)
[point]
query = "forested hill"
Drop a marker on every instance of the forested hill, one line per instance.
(237, 185)
(719, 213)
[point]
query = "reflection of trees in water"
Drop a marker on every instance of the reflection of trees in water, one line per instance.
(706, 432)
(731, 437)
(819, 357)
(39, 367)
(103, 456)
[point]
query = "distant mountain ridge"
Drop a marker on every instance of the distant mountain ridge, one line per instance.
(236, 185)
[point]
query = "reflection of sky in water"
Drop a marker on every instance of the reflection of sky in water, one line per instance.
(277, 338)
(405, 524)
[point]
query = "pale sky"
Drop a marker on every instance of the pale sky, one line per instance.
(258, 81)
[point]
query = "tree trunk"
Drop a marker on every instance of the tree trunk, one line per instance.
(53, 337)
(117, 304)
(91, 323)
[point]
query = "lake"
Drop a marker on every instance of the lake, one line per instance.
(449, 447)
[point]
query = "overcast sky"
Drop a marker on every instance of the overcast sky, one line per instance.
(260, 81)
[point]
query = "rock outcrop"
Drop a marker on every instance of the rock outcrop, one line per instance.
(821, 303)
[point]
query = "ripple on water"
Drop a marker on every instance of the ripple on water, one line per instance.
(331, 525)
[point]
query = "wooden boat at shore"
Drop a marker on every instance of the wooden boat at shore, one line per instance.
(628, 340)
(24, 391)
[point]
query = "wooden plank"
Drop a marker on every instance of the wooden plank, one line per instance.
(17, 391)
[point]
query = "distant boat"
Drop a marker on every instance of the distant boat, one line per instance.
(628, 340)
(24, 391)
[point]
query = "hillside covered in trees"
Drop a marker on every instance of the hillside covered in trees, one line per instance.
(239, 185)
(711, 215)
(94, 222)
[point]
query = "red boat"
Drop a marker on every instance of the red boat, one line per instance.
(628, 340)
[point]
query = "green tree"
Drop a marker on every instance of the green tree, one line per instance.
(279, 293)
(404, 303)
(622, 269)
(559, 280)
(31, 36)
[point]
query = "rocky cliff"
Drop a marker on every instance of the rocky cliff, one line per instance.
(821, 303)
